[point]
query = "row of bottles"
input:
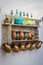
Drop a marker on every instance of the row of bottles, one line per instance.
(19, 18)
(15, 48)
(21, 14)
(21, 35)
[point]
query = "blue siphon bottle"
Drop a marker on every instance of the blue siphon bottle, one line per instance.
(21, 20)
(16, 17)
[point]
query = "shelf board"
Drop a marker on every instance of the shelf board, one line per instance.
(18, 25)
(25, 40)
(6, 24)
(24, 25)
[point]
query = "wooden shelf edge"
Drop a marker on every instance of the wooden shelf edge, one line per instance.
(8, 24)
(25, 40)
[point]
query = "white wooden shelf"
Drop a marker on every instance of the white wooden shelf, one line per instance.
(25, 40)
(7, 27)
(8, 24)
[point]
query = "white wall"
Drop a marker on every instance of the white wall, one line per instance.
(25, 58)
(32, 6)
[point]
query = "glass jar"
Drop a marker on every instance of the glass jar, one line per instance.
(13, 34)
(29, 35)
(6, 20)
(21, 34)
(26, 36)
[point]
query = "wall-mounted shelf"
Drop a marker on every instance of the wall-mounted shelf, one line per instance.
(7, 30)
